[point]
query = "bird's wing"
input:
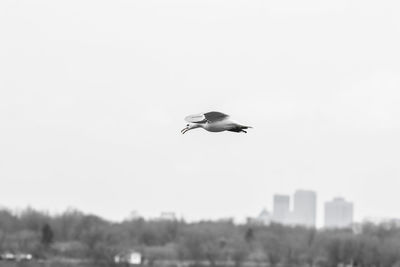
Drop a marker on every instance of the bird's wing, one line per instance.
(214, 116)
(195, 118)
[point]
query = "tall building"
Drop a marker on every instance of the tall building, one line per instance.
(281, 209)
(304, 208)
(338, 213)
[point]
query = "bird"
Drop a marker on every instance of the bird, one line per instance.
(213, 121)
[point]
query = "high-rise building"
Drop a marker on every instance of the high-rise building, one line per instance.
(304, 208)
(281, 209)
(338, 213)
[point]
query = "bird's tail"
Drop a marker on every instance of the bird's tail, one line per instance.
(246, 127)
(242, 128)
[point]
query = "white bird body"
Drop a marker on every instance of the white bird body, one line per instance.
(213, 122)
(219, 126)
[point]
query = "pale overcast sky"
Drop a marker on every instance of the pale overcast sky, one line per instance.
(93, 95)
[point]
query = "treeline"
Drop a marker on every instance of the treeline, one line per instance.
(213, 243)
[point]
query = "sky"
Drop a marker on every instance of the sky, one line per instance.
(93, 94)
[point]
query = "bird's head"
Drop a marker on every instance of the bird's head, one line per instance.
(190, 126)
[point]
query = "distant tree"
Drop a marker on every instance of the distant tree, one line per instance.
(239, 253)
(47, 235)
(26, 240)
(192, 246)
(274, 246)
(249, 235)
(2, 239)
(217, 242)
(8, 221)
(333, 251)
(211, 251)
(33, 220)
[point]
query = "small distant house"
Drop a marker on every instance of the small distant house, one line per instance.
(8, 256)
(265, 217)
(128, 257)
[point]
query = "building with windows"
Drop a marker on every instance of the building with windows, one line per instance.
(338, 213)
(281, 209)
(304, 208)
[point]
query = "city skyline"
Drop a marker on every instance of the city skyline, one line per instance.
(283, 210)
(266, 216)
(337, 213)
(300, 211)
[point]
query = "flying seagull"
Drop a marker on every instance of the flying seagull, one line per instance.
(213, 121)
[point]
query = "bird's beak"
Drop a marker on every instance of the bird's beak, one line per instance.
(184, 130)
